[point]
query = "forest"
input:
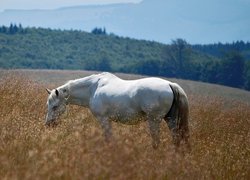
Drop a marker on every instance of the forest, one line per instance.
(40, 48)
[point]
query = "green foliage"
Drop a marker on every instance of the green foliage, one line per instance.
(99, 31)
(40, 48)
(219, 49)
(13, 29)
(232, 70)
(247, 75)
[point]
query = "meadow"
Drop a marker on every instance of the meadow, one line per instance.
(75, 149)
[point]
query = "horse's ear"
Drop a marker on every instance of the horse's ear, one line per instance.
(57, 92)
(48, 91)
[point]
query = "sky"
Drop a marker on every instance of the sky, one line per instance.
(53, 4)
(197, 21)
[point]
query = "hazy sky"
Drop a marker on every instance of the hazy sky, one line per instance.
(197, 21)
(52, 4)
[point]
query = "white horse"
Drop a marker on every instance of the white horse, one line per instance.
(126, 101)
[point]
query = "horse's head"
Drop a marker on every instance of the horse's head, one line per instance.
(56, 105)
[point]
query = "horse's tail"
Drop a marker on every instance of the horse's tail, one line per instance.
(177, 117)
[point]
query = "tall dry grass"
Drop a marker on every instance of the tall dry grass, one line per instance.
(75, 149)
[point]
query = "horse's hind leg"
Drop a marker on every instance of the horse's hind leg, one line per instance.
(154, 127)
(174, 131)
(178, 134)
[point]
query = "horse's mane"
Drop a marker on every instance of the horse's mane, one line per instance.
(87, 81)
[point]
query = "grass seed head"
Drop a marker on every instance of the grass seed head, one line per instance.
(75, 149)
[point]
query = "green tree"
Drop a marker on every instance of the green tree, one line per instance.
(150, 67)
(99, 31)
(209, 72)
(104, 64)
(178, 48)
(3, 29)
(232, 70)
(247, 75)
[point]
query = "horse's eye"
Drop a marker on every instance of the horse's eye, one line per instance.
(54, 108)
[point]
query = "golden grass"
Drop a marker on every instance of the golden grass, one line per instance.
(75, 149)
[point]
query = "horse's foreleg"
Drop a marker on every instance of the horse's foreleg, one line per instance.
(106, 126)
(154, 127)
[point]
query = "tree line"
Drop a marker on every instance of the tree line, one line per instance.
(227, 64)
(231, 69)
(12, 29)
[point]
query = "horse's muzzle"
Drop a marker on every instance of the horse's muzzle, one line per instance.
(49, 121)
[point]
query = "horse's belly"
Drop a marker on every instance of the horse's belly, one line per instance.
(129, 118)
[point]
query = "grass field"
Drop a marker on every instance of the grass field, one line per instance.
(75, 149)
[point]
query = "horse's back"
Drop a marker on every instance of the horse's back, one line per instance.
(146, 87)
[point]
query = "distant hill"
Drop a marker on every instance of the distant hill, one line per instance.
(159, 20)
(38, 48)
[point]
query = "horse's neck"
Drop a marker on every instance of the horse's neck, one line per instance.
(80, 91)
